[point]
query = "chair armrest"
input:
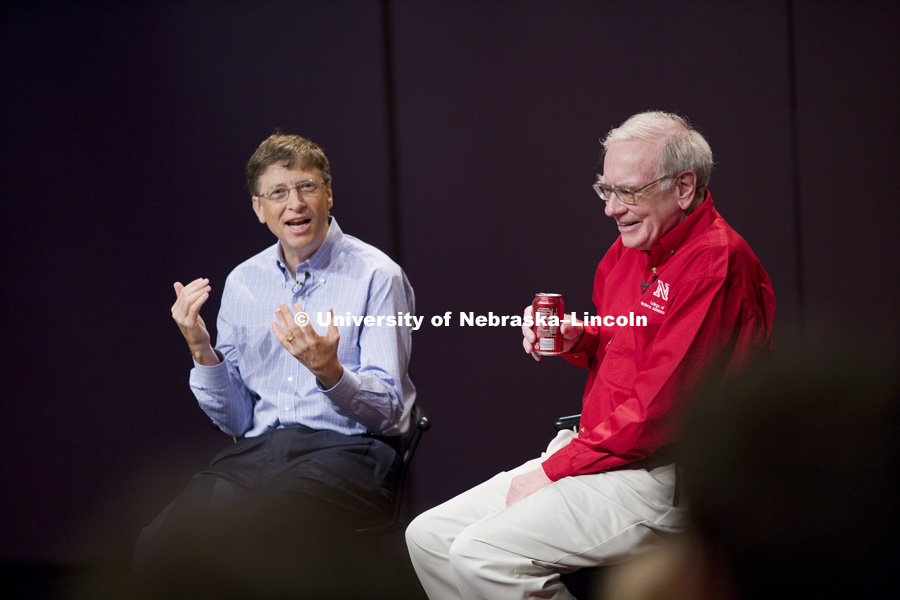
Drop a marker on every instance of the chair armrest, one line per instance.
(570, 422)
(422, 425)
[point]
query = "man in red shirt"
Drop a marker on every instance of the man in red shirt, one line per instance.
(600, 495)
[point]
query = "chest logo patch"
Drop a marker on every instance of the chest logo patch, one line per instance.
(662, 290)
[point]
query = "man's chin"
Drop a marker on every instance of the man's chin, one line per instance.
(304, 245)
(631, 242)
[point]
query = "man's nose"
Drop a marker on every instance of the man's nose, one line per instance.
(615, 206)
(295, 198)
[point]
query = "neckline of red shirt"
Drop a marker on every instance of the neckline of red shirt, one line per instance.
(701, 218)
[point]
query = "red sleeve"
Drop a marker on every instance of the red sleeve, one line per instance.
(630, 404)
(585, 350)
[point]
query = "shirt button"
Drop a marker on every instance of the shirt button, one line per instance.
(582, 429)
(290, 378)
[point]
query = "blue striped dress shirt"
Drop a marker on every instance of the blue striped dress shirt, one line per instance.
(260, 386)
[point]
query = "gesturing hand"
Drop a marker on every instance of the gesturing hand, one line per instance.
(186, 312)
(318, 353)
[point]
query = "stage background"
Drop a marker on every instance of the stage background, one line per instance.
(464, 137)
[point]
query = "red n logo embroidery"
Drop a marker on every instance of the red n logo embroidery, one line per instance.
(662, 290)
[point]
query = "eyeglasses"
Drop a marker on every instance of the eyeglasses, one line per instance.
(306, 188)
(626, 195)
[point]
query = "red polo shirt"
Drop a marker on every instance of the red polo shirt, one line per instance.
(705, 296)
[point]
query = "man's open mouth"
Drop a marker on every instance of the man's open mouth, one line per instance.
(298, 224)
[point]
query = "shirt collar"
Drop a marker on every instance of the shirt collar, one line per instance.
(701, 218)
(321, 258)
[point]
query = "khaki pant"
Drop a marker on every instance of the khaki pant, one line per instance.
(473, 546)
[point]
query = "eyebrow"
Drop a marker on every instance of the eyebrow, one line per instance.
(602, 181)
(299, 181)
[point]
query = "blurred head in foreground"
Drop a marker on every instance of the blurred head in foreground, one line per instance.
(791, 474)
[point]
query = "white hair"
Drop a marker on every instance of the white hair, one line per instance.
(682, 146)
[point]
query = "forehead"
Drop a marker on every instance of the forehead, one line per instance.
(278, 174)
(630, 162)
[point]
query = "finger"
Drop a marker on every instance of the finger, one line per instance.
(279, 335)
(571, 330)
(178, 289)
(293, 327)
(196, 284)
(285, 322)
(528, 335)
(187, 307)
(302, 320)
(184, 292)
(194, 307)
(333, 333)
(512, 494)
(190, 296)
(284, 329)
(528, 330)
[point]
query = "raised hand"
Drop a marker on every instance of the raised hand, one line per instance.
(318, 353)
(186, 312)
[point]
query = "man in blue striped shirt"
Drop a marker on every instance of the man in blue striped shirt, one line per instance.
(314, 413)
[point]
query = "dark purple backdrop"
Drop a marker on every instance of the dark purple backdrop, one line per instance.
(463, 137)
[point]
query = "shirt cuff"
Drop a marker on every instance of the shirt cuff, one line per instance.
(210, 376)
(557, 466)
(343, 392)
(580, 354)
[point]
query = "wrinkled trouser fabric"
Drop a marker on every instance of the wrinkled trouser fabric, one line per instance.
(473, 546)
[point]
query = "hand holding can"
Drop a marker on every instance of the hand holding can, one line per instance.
(548, 311)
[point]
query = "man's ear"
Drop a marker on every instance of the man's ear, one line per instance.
(258, 209)
(685, 188)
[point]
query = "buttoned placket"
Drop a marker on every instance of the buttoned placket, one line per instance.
(302, 289)
(299, 287)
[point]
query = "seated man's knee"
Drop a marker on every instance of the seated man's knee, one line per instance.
(472, 558)
(422, 536)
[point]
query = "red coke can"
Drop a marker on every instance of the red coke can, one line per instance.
(549, 338)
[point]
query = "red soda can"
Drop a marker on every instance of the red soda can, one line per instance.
(549, 338)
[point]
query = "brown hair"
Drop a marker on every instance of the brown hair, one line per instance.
(285, 150)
